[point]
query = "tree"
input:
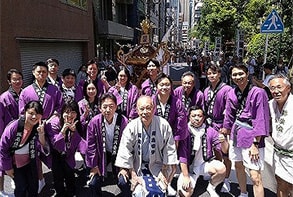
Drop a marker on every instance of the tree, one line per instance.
(223, 17)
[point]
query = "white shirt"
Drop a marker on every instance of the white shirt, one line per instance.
(282, 125)
(197, 133)
(110, 132)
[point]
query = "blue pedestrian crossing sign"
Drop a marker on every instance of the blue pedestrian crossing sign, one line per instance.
(273, 24)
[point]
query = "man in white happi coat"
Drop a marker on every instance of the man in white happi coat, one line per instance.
(146, 150)
(281, 109)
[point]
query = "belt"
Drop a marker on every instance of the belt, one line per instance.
(281, 151)
(243, 124)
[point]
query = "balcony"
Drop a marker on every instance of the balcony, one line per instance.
(114, 31)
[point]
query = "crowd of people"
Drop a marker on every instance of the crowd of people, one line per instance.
(144, 138)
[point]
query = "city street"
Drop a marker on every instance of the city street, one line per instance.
(200, 190)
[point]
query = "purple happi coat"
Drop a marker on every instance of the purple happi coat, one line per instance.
(196, 97)
(9, 100)
(215, 105)
(253, 120)
(52, 101)
(101, 89)
(130, 100)
(95, 155)
(148, 88)
(8, 139)
(57, 141)
(209, 143)
(2, 119)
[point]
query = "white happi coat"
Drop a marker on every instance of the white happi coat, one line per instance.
(282, 133)
(129, 156)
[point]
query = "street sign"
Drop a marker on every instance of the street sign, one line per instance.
(273, 24)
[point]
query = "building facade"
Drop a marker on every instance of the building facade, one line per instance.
(33, 31)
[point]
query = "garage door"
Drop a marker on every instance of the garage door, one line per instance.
(69, 55)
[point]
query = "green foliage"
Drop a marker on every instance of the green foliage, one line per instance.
(223, 17)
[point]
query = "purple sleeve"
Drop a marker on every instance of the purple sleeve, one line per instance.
(231, 107)
(183, 150)
(261, 120)
(180, 128)
(58, 101)
(134, 96)
(79, 91)
(6, 142)
(1, 117)
(91, 154)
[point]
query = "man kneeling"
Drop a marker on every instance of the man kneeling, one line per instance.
(202, 142)
(146, 150)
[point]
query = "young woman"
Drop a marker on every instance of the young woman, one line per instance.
(65, 141)
(126, 94)
(19, 146)
(148, 87)
(89, 106)
(171, 108)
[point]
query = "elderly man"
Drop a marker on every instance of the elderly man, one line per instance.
(282, 133)
(188, 93)
(146, 149)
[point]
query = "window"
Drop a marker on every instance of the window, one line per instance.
(78, 3)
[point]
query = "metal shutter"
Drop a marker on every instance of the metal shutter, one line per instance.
(69, 55)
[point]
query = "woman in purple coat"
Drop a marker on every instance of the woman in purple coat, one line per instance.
(65, 141)
(92, 75)
(19, 146)
(148, 87)
(103, 137)
(126, 94)
(89, 106)
(171, 108)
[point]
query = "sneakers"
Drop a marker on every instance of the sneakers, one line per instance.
(41, 185)
(4, 194)
(212, 190)
(171, 191)
(226, 186)
(243, 194)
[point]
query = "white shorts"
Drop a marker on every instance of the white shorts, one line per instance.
(242, 154)
(203, 170)
(283, 167)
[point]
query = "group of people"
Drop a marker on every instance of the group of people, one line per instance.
(142, 138)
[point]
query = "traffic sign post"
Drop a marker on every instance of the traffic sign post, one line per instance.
(273, 24)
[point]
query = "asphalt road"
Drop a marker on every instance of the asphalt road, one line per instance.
(110, 189)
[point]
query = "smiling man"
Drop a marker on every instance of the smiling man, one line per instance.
(281, 112)
(103, 137)
(247, 117)
(187, 92)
